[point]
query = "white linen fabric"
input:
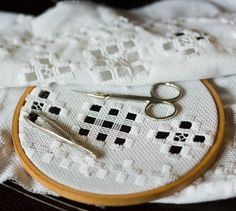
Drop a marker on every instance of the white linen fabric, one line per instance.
(103, 46)
(99, 45)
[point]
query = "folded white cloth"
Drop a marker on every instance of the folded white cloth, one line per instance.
(88, 44)
(103, 46)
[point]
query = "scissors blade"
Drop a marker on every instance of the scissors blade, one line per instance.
(119, 96)
(95, 94)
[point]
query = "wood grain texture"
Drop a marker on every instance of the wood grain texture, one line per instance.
(122, 199)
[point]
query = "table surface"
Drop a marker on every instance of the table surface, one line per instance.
(14, 197)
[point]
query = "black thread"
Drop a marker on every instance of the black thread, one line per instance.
(107, 124)
(83, 132)
(131, 116)
(44, 94)
(185, 125)
(96, 108)
(54, 110)
(101, 137)
(125, 128)
(113, 112)
(179, 34)
(120, 141)
(198, 138)
(175, 149)
(89, 120)
(162, 135)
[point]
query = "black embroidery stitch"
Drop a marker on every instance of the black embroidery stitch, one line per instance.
(131, 116)
(44, 94)
(120, 141)
(37, 106)
(200, 38)
(54, 110)
(125, 128)
(179, 34)
(180, 137)
(83, 132)
(175, 149)
(185, 125)
(162, 135)
(198, 138)
(101, 137)
(113, 112)
(89, 120)
(107, 124)
(96, 108)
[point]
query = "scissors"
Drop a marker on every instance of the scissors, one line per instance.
(152, 100)
(63, 137)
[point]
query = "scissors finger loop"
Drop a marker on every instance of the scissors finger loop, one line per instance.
(171, 85)
(149, 110)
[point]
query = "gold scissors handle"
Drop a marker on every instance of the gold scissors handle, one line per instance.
(150, 105)
(155, 87)
(156, 99)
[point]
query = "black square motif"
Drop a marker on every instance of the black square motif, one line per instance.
(89, 119)
(131, 116)
(185, 125)
(198, 138)
(175, 149)
(113, 112)
(101, 137)
(96, 108)
(83, 132)
(54, 110)
(162, 135)
(107, 124)
(44, 94)
(125, 128)
(120, 141)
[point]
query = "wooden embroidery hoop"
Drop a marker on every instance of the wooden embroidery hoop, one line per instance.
(124, 199)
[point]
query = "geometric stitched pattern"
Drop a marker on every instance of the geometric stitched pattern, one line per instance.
(185, 42)
(179, 137)
(37, 106)
(101, 136)
(118, 59)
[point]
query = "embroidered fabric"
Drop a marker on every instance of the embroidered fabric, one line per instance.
(58, 47)
(104, 46)
(121, 135)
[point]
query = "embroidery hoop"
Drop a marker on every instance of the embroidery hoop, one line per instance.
(122, 199)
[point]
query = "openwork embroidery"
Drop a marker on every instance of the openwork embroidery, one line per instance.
(182, 135)
(98, 127)
(117, 60)
(185, 42)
